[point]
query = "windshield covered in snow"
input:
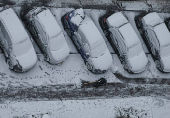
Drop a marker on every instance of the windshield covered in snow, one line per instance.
(22, 47)
(165, 51)
(57, 42)
(98, 49)
(134, 50)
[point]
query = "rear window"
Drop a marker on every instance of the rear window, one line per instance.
(98, 49)
(134, 50)
(165, 51)
(57, 42)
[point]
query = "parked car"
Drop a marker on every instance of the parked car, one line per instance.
(15, 42)
(125, 42)
(48, 34)
(88, 41)
(157, 37)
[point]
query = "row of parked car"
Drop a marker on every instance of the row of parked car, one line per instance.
(16, 40)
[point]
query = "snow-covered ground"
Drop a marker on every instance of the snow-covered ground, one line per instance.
(143, 107)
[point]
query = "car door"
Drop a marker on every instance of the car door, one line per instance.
(5, 39)
(40, 40)
(151, 37)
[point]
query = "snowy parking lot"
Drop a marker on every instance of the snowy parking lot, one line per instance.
(58, 89)
(73, 69)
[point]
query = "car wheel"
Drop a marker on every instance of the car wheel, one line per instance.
(158, 64)
(89, 66)
(125, 65)
(10, 64)
(46, 57)
(140, 31)
(105, 32)
(68, 32)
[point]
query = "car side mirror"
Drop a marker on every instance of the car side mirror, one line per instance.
(87, 54)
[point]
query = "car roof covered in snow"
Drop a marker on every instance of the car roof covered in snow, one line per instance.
(13, 25)
(152, 19)
(129, 35)
(162, 34)
(78, 16)
(90, 32)
(116, 20)
(49, 23)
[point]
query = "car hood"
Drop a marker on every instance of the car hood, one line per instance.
(138, 63)
(103, 62)
(61, 54)
(166, 63)
(28, 59)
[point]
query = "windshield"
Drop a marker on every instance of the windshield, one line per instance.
(98, 49)
(165, 51)
(134, 50)
(57, 42)
(22, 47)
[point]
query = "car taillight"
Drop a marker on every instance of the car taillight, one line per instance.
(104, 20)
(140, 18)
(66, 17)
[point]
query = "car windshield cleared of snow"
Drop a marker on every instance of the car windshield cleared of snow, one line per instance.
(98, 49)
(165, 51)
(134, 50)
(22, 47)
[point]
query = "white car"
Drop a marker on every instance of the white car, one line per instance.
(125, 41)
(15, 42)
(157, 37)
(48, 35)
(88, 41)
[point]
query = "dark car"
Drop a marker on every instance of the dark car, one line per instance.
(88, 41)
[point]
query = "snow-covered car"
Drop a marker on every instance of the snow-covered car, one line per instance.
(15, 42)
(48, 34)
(88, 41)
(125, 42)
(157, 37)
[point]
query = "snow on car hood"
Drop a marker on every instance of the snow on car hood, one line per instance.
(166, 63)
(61, 54)
(103, 62)
(138, 63)
(28, 59)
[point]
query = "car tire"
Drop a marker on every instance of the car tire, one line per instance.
(125, 65)
(46, 57)
(89, 66)
(140, 31)
(10, 64)
(68, 32)
(158, 65)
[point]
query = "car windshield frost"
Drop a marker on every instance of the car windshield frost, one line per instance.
(165, 51)
(98, 49)
(22, 47)
(134, 50)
